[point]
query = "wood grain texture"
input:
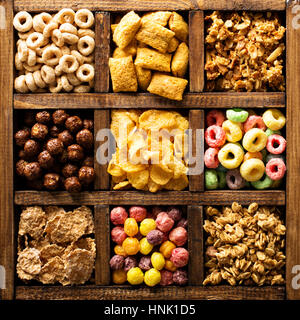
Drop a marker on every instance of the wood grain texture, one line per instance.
(102, 237)
(293, 152)
(196, 47)
(159, 293)
(266, 197)
(146, 100)
(196, 122)
(196, 255)
(6, 149)
(101, 121)
(256, 5)
(102, 51)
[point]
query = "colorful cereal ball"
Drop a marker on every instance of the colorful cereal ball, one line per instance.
(145, 246)
(131, 227)
(131, 246)
(166, 278)
(180, 257)
(215, 136)
(116, 262)
(119, 251)
(166, 248)
(274, 119)
(147, 225)
(119, 276)
(169, 265)
(145, 263)
(155, 237)
(118, 215)
(179, 236)
(138, 213)
(174, 213)
(152, 277)
(231, 156)
(129, 263)
(118, 235)
(252, 170)
(157, 260)
(163, 222)
(180, 277)
(135, 276)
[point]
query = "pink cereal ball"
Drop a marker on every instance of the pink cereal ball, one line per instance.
(215, 117)
(275, 169)
(211, 159)
(182, 223)
(118, 215)
(166, 278)
(163, 222)
(174, 213)
(118, 235)
(138, 213)
(180, 257)
(180, 277)
(276, 144)
(254, 122)
(178, 236)
(215, 136)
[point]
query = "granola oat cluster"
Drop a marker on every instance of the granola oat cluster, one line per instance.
(244, 245)
(55, 245)
(244, 52)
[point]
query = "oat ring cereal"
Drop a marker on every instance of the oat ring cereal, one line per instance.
(57, 38)
(69, 38)
(22, 21)
(30, 82)
(68, 63)
(231, 156)
(47, 32)
(40, 21)
(69, 28)
(22, 51)
(255, 140)
(252, 169)
(38, 79)
(35, 40)
(66, 15)
(20, 84)
(48, 74)
(79, 57)
(51, 56)
(86, 45)
(85, 72)
(82, 89)
(84, 18)
(31, 59)
(56, 88)
(73, 79)
(66, 84)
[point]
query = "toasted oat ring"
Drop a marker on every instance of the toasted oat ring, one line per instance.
(86, 45)
(23, 21)
(31, 59)
(51, 56)
(86, 32)
(78, 56)
(33, 68)
(68, 63)
(40, 21)
(65, 50)
(18, 62)
(24, 35)
(73, 79)
(35, 40)
(57, 38)
(38, 79)
(82, 89)
(48, 74)
(39, 51)
(66, 84)
(30, 82)
(49, 29)
(69, 38)
(65, 15)
(84, 18)
(69, 28)
(85, 72)
(22, 51)
(20, 84)
(57, 87)
(58, 71)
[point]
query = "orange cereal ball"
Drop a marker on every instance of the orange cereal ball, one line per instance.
(131, 227)
(169, 265)
(166, 248)
(120, 251)
(138, 213)
(131, 246)
(119, 276)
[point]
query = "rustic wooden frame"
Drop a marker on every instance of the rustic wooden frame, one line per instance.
(101, 101)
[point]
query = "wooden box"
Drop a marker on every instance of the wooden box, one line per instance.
(194, 103)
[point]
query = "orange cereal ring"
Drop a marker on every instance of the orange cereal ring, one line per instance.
(22, 21)
(85, 72)
(68, 63)
(250, 155)
(84, 18)
(86, 45)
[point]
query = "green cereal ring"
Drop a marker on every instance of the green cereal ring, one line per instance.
(276, 184)
(263, 183)
(264, 153)
(221, 179)
(237, 115)
(269, 132)
(221, 168)
(211, 179)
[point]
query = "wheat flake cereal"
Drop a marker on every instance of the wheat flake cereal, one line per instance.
(29, 263)
(53, 271)
(32, 221)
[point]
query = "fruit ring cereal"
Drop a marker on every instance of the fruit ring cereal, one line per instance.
(211, 158)
(180, 257)
(116, 262)
(233, 130)
(215, 117)
(276, 144)
(119, 276)
(131, 246)
(118, 215)
(270, 132)
(118, 235)
(157, 260)
(252, 169)
(275, 169)
(145, 246)
(251, 155)
(255, 140)
(129, 263)
(166, 278)
(166, 248)
(146, 226)
(131, 227)
(152, 277)
(234, 179)
(274, 119)
(215, 136)
(237, 115)
(138, 213)
(178, 236)
(22, 21)
(261, 184)
(254, 122)
(155, 237)
(231, 156)
(180, 277)
(211, 179)
(135, 276)
(163, 222)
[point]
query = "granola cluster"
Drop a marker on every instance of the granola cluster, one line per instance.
(244, 245)
(244, 52)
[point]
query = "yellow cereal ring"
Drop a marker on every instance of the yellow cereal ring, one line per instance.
(252, 169)
(233, 130)
(274, 119)
(145, 246)
(255, 140)
(231, 156)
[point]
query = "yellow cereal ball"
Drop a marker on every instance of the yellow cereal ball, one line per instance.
(169, 265)
(131, 246)
(157, 260)
(145, 246)
(120, 251)
(166, 248)
(146, 226)
(131, 227)
(119, 276)
(135, 276)
(274, 119)
(152, 277)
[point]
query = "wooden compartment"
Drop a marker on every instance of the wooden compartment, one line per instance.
(100, 102)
